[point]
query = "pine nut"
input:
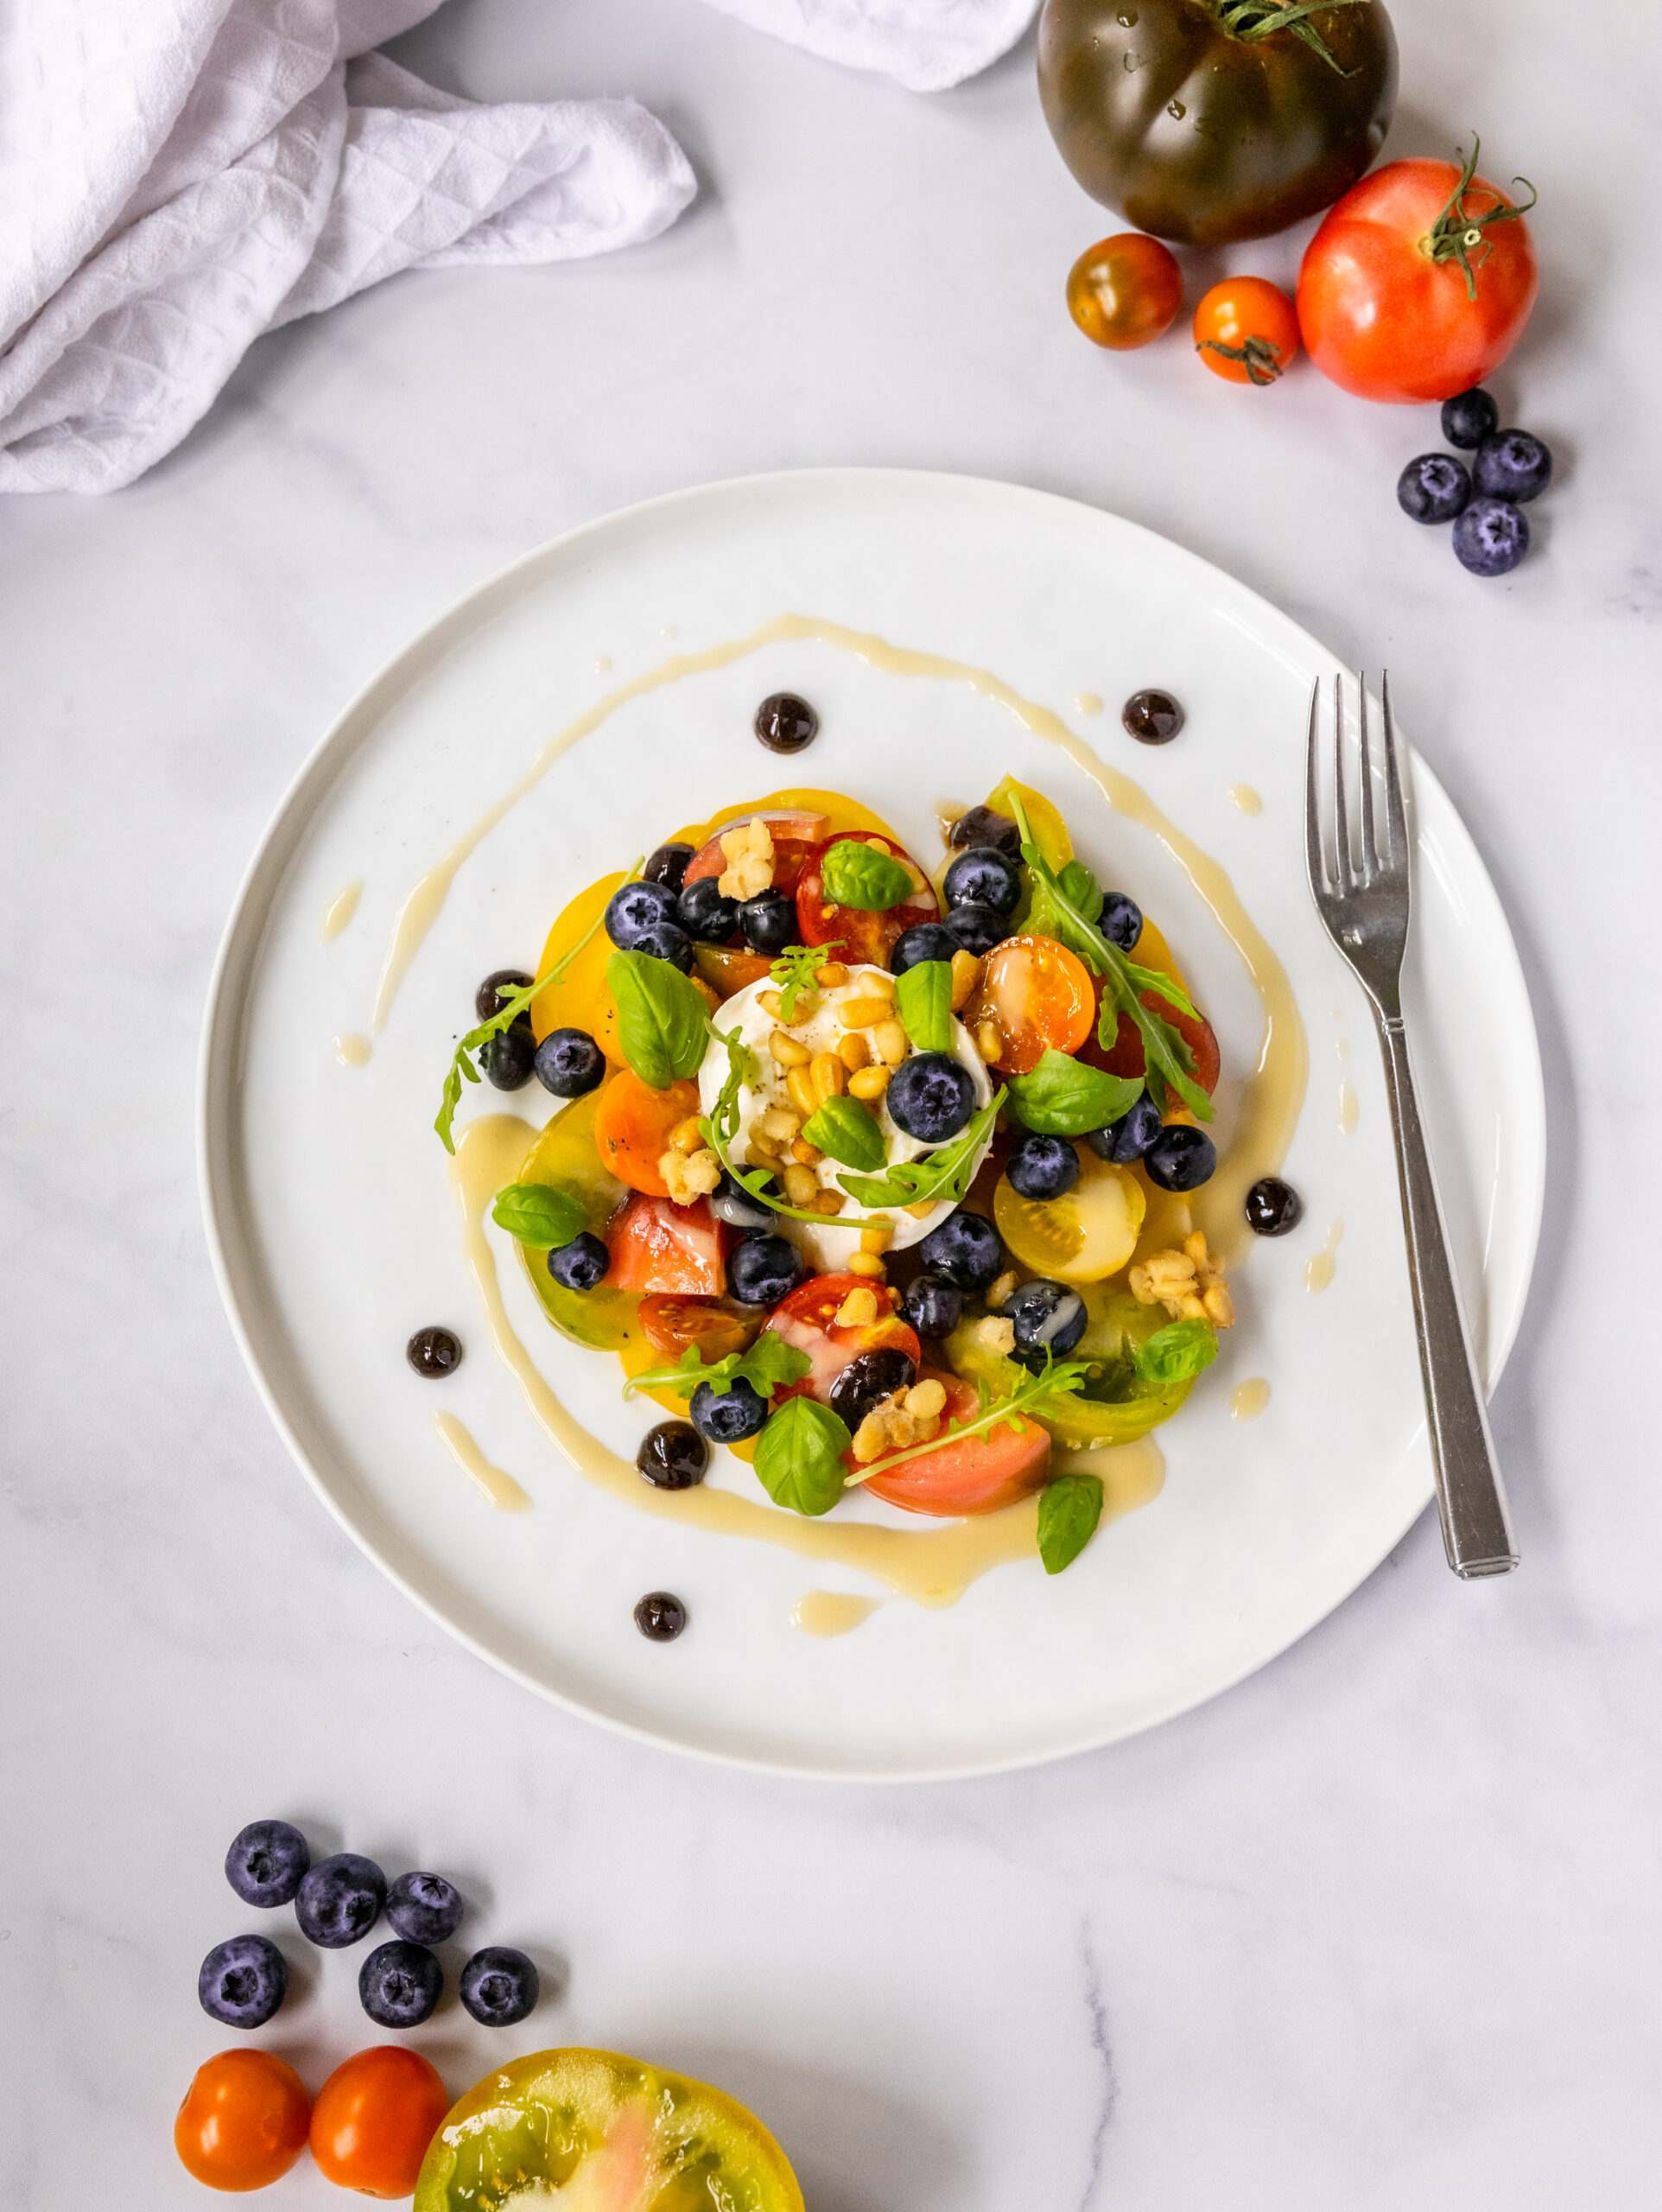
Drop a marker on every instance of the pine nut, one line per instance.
(877, 1236)
(772, 1003)
(787, 1052)
(779, 1125)
(808, 1003)
(853, 1050)
(965, 973)
(880, 984)
(891, 1040)
(759, 1154)
(858, 1310)
(866, 1263)
(863, 1013)
(868, 1084)
(801, 1187)
(988, 1042)
(829, 1202)
(832, 977)
(808, 1154)
(922, 1209)
(827, 1076)
(685, 1136)
(800, 1084)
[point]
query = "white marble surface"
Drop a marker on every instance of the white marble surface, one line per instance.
(1377, 1928)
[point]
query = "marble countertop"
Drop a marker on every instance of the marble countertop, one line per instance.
(1371, 1929)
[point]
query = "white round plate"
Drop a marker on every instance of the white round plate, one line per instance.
(334, 1233)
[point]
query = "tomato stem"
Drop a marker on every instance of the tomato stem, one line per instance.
(1458, 230)
(1260, 357)
(1255, 19)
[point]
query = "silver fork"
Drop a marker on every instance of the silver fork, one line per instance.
(1365, 907)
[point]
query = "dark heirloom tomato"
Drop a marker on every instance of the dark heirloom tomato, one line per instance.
(794, 835)
(1172, 112)
(859, 936)
(1124, 1055)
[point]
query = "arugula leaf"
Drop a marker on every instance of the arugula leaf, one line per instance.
(799, 1456)
(539, 1215)
(1035, 1397)
(849, 1132)
(769, 1364)
(924, 996)
(1070, 1509)
(794, 971)
(1065, 1097)
(944, 1174)
(663, 1024)
(1175, 1353)
(855, 874)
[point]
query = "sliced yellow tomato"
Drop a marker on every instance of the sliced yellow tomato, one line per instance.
(589, 2131)
(1049, 831)
(564, 1156)
(1089, 1232)
(579, 999)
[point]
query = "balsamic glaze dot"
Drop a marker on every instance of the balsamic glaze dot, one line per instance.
(1151, 717)
(499, 984)
(1273, 1207)
(434, 1351)
(660, 1617)
(786, 723)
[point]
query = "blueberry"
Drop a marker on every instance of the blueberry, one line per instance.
(984, 877)
(965, 1248)
(932, 1305)
(433, 1353)
(666, 941)
(769, 923)
(1434, 488)
(786, 723)
(265, 1862)
(868, 1380)
(569, 1063)
(635, 908)
(926, 941)
(509, 1056)
(1491, 537)
(498, 1987)
(1130, 1137)
(1273, 1207)
(1470, 417)
(339, 1900)
(930, 1096)
(400, 1984)
(730, 1415)
(1041, 1167)
(705, 914)
(580, 1265)
(501, 983)
(243, 1982)
(732, 1203)
(660, 1617)
(673, 1456)
(1151, 717)
(424, 1908)
(668, 866)
(977, 928)
(982, 825)
(1512, 465)
(763, 1270)
(1048, 1317)
(1180, 1158)
(1121, 920)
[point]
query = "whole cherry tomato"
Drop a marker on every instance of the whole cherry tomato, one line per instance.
(1245, 331)
(243, 2120)
(1125, 290)
(1418, 283)
(374, 2119)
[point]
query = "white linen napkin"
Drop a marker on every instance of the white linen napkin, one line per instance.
(179, 176)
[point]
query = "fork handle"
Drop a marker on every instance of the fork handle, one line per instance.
(1470, 1499)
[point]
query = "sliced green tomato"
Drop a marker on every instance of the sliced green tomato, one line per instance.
(1115, 1406)
(587, 2131)
(565, 1158)
(1089, 1232)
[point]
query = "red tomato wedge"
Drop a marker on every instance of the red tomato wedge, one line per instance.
(980, 1474)
(808, 1318)
(672, 1325)
(1038, 996)
(795, 837)
(858, 935)
(658, 1246)
(1126, 1056)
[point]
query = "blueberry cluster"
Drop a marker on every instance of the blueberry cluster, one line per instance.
(1486, 501)
(982, 888)
(337, 1902)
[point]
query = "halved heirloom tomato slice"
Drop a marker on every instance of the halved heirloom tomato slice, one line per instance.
(632, 1123)
(808, 1318)
(675, 1325)
(1038, 996)
(858, 935)
(1125, 1055)
(975, 1474)
(795, 834)
(590, 2131)
(658, 1246)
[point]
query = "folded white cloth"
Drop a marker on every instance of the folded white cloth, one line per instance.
(179, 176)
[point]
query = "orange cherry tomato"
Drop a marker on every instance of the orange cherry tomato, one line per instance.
(1245, 331)
(1038, 996)
(374, 2119)
(632, 1123)
(672, 1324)
(243, 2120)
(976, 1474)
(1125, 290)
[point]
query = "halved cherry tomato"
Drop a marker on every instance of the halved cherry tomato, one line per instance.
(632, 1123)
(1245, 331)
(1038, 996)
(858, 935)
(675, 1250)
(977, 1475)
(674, 1325)
(1125, 1055)
(243, 2120)
(795, 835)
(808, 1318)
(1125, 290)
(374, 2119)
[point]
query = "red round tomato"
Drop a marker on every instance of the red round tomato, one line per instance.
(794, 835)
(808, 1318)
(676, 1251)
(1038, 996)
(1245, 331)
(374, 2119)
(1418, 283)
(1125, 1055)
(975, 1474)
(1125, 290)
(857, 935)
(672, 1324)
(243, 2120)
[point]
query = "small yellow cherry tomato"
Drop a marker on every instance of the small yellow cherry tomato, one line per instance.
(1125, 290)
(1245, 331)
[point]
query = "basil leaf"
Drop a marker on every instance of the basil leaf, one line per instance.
(1080, 889)
(856, 875)
(924, 995)
(944, 1174)
(1175, 1353)
(849, 1132)
(1070, 1509)
(1065, 1097)
(663, 1024)
(799, 1456)
(539, 1215)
